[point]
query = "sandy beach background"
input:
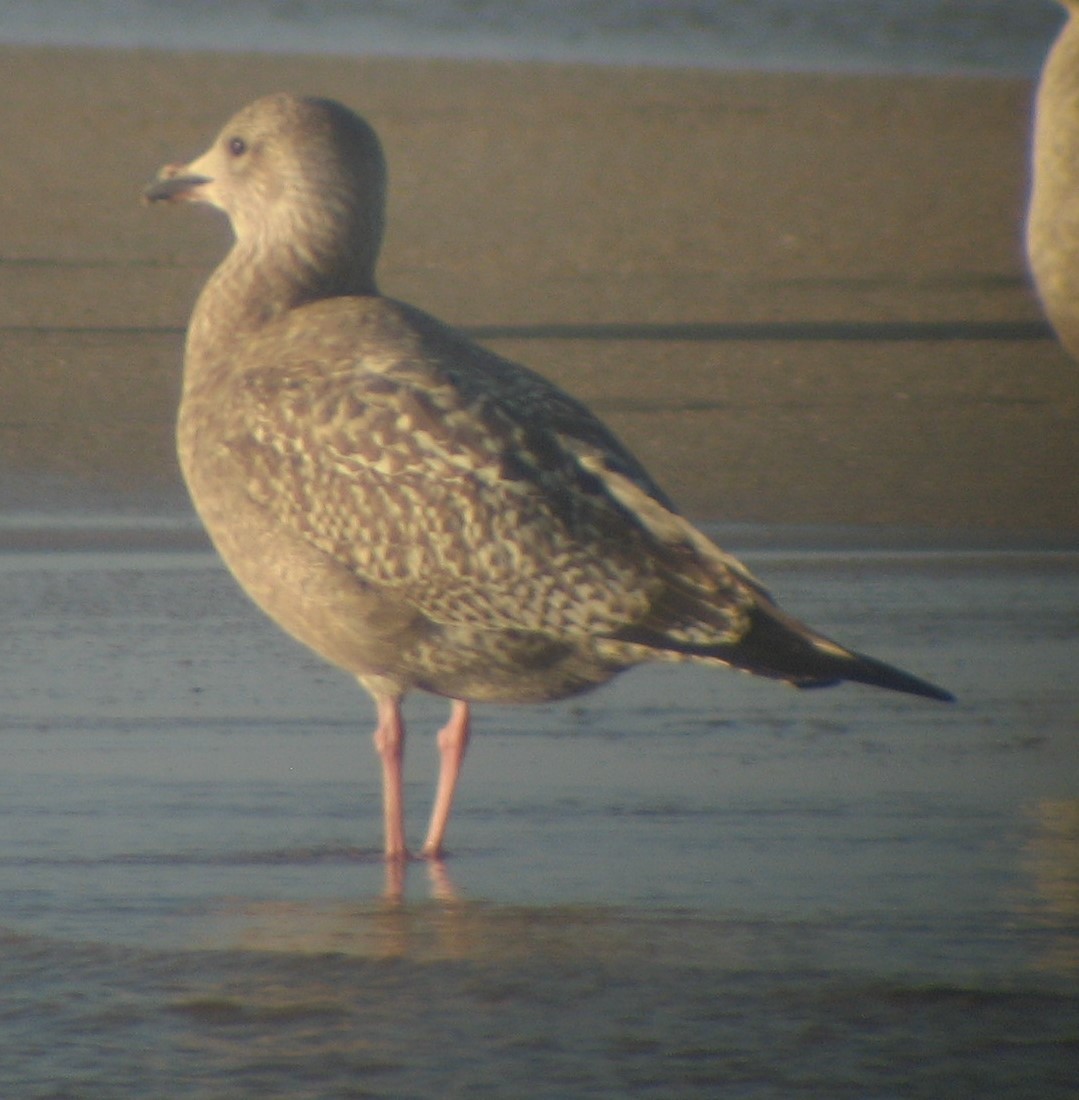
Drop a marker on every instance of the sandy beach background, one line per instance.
(800, 298)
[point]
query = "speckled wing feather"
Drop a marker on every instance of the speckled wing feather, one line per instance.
(473, 488)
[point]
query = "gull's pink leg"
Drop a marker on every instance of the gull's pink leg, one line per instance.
(452, 743)
(390, 744)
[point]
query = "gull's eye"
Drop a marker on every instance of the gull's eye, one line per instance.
(237, 146)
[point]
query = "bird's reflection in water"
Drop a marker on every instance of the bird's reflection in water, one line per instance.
(439, 925)
(440, 885)
(391, 926)
(1051, 859)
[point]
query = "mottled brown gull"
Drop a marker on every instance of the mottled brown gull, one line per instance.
(414, 508)
(1052, 230)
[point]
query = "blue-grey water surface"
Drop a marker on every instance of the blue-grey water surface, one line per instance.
(985, 36)
(689, 884)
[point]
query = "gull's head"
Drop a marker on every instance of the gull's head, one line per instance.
(288, 166)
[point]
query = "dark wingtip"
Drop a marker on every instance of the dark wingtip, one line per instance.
(868, 670)
(781, 647)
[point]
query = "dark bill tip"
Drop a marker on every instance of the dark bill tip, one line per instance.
(175, 187)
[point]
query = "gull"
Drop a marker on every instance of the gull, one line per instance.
(1052, 225)
(417, 510)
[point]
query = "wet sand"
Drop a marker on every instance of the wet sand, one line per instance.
(801, 299)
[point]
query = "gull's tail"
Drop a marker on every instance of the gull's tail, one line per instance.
(780, 647)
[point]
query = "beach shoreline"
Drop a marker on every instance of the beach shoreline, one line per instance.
(800, 299)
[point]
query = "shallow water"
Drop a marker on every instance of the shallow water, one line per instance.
(688, 884)
(990, 36)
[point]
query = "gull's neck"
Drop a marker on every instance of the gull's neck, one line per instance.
(267, 274)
